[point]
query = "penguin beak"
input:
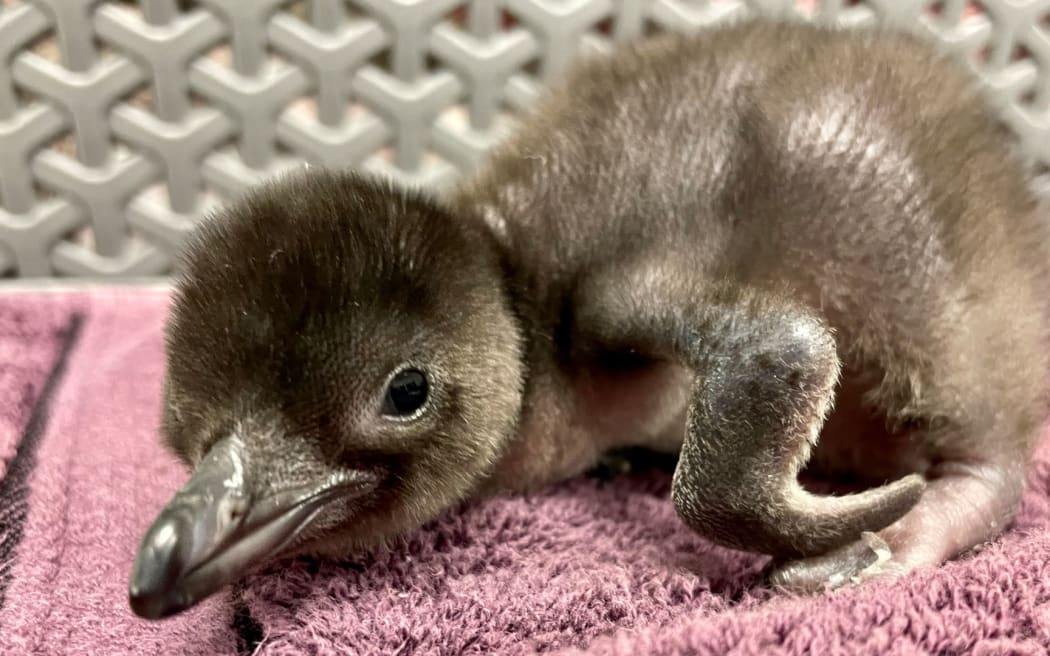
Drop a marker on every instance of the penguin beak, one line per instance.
(215, 530)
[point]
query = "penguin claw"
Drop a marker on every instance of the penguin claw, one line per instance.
(870, 557)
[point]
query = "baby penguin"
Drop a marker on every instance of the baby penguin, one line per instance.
(768, 247)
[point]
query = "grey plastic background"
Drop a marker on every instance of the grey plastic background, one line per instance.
(122, 123)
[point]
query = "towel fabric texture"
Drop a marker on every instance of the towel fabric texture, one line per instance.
(584, 567)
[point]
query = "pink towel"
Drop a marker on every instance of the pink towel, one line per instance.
(583, 567)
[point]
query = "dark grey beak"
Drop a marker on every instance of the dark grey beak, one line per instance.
(215, 530)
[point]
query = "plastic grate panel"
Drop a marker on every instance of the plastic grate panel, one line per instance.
(122, 123)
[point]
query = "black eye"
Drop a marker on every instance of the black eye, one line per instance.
(406, 394)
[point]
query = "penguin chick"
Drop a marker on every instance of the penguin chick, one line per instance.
(767, 246)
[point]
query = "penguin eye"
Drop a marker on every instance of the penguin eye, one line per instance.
(406, 393)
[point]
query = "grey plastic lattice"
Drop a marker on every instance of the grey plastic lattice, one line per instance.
(122, 123)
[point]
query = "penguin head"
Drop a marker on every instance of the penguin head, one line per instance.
(342, 365)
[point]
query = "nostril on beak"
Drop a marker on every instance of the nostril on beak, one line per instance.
(236, 508)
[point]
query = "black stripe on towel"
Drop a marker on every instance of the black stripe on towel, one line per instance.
(14, 487)
(248, 630)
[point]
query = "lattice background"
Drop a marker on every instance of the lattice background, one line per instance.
(122, 123)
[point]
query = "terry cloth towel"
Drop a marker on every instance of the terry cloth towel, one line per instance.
(585, 567)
